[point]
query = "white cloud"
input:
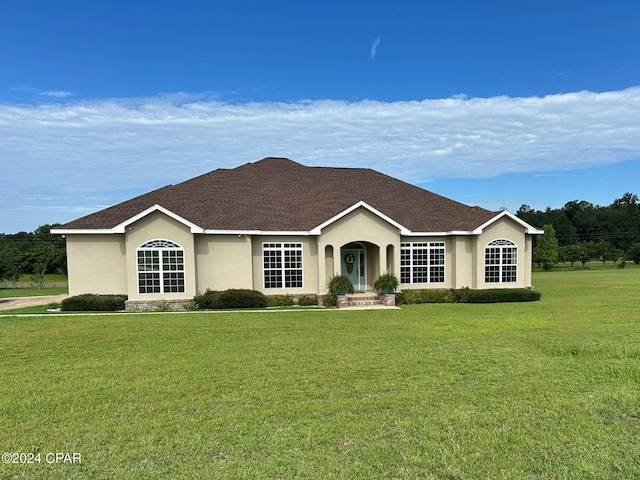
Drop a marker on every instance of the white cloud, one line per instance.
(374, 48)
(89, 148)
(56, 94)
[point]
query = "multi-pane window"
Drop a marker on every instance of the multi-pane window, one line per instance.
(160, 267)
(282, 265)
(501, 262)
(422, 262)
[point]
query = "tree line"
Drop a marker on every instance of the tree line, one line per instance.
(584, 231)
(35, 254)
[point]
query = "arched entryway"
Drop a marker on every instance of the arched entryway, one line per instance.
(353, 264)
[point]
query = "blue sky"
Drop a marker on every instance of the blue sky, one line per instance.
(492, 103)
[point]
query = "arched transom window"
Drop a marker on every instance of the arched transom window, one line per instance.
(160, 267)
(501, 262)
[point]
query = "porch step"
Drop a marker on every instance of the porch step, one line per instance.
(362, 300)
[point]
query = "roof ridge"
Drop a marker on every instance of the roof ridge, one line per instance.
(279, 194)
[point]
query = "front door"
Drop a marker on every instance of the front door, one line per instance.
(353, 265)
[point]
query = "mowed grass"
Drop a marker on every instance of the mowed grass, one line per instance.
(506, 391)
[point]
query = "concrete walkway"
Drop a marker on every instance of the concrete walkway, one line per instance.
(21, 302)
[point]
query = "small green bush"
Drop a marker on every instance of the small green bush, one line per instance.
(191, 306)
(340, 284)
(280, 301)
(329, 300)
(233, 298)
(461, 295)
(89, 302)
(207, 300)
(308, 301)
(161, 306)
(386, 283)
(241, 298)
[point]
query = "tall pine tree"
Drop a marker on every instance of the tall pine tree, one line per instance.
(547, 248)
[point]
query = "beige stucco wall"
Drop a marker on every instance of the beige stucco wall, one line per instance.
(505, 228)
(364, 227)
(106, 264)
(159, 226)
(223, 262)
(309, 264)
(463, 267)
(464, 258)
(96, 264)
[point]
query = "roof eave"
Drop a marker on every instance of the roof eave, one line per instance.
(122, 227)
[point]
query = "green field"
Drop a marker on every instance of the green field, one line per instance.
(28, 286)
(549, 389)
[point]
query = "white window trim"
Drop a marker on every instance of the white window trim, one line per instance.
(160, 245)
(411, 246)
(280, 247)
(501, 244)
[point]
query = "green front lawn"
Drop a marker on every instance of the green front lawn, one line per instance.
(548, 389)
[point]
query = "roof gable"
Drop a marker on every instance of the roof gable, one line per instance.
(525, 226)
(318, 230)
(279, 195)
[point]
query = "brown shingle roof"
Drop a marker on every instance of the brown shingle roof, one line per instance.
(277, 194)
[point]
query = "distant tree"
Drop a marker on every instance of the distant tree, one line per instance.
(529, 215)
(604, 251)
(584, 256)
(44, 252)
(547, 248)
(582, 216)
(574, 253)
(9, 260)
(634, 253)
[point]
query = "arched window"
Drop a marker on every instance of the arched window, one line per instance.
(501, 262)
(160, 267)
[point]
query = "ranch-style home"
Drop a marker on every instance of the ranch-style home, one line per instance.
(284, 228)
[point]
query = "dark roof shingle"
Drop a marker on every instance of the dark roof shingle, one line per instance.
(277, 194)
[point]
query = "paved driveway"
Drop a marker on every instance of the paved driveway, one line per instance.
(20, 302)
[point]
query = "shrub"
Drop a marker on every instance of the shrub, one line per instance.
(233, 298)
(308, 301)
(467, 295)
(329, 300)
(191, 305)
(401, 298)
(207, 300)
(461, 295)
(481, 296)
(241, 298)
(93, 303)
(280, 301)
(386, 283)
(412, 297)
(161, 306)
(340, 284)
(499, 295)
